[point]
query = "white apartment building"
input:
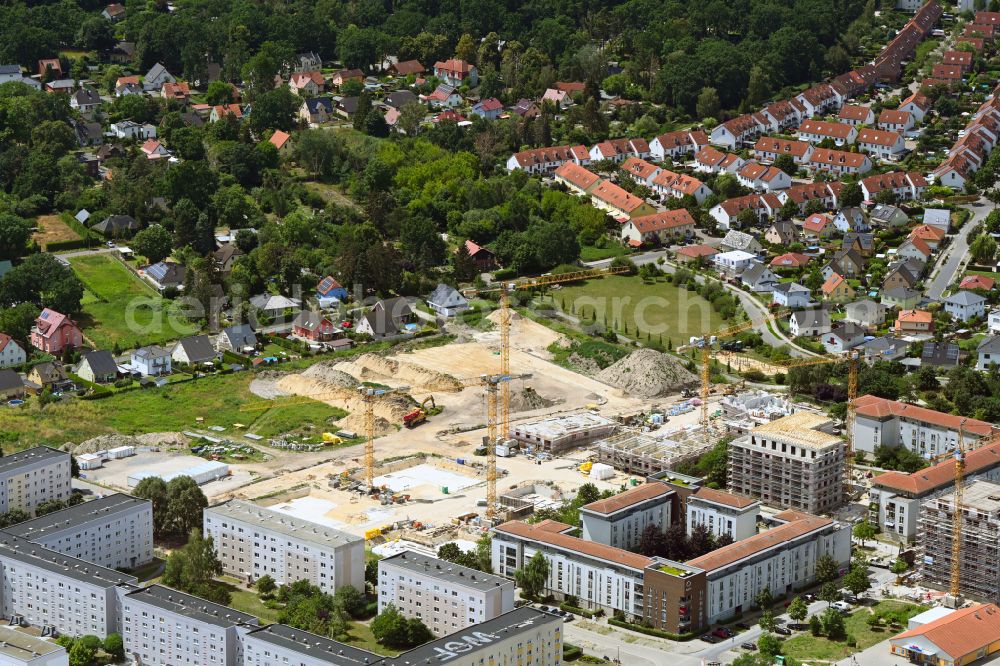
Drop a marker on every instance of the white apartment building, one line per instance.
(33, 476)
(723, 513)
(115, 531)
(251, 541)
(281, 645)
(620, 520)
(793, 462)
(599, 576)
(929, 433)
(445, 596)
(164, 627)
(56, 592)
(781, 559)
(20, 649)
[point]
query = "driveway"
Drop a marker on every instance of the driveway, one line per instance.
(954, 258)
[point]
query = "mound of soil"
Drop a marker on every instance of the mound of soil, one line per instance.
(326, 371)
(648, 374)
(374, 367)
(528, 399)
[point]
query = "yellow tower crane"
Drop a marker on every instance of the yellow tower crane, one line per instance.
(368, 395)
(494, 384)
(956, 519)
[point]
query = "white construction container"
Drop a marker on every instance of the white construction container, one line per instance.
(602, 472)
(120, 452)
(89, 461)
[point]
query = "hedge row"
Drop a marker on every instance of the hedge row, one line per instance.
(571, 652)
(576, 610)
(649, 631)
(79, 243)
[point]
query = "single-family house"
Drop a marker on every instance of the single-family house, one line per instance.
(849, 262)
(406, 68)
(883, 144)
(177, 92)
(377, 324)
(561, 99)
(314, 327)
(307, 84)
(447, 301)
(482, 257)
(126, 129)
(114, 12)
(156, 77)
(443, 97)
(791, 295)
(317, 110)
(944, 354)
(758, 278)
(398, 309)
(837, 290)
(815, 131)
(194, 350)
(221, 111)
(489, 108)
(225, 257)
(884, 348)
(892, 120)
(86, 100)
(275, 305)
(989, 353)
(677, 144)
(914, 322)
(128, 85)
(856, 114)
(117, 226)
(153, 149)
(918, 105)
(12, 354)
(733, 262)
(710, 160)
(659, 228)
(11, 385)
(757, 176)
(329, 292)
(851, 218)
(898, 276)
(790, 261)
(818, 227)
(867, 313)
(54, 331)
(843, 337)
(526, 108)
(151, 361)
(915, 249)
(166, 274)
(977, 282)
(782, 232)
(965, 305)
(343, 76)
(884, 216)
(907, 186)
(931, 236)
(695, 254)
(49, 375)
(455, 72)
(809, 323)
(838, 162)
(50, 68)
(938, 217)
(739, 240)
(903, 298)
(98, 367)
(239, 338)
(400, 98)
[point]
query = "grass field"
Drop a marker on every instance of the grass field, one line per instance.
(820, 648)
(52, 229)
(218, 399)
(591, 253)
(119, 308)
(618, 301)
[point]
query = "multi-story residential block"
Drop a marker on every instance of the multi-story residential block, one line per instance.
(20, 649)
(599, 576)
(620, 520)
(251, 541)
(793, 462)
(929, 433)
(723, 513)
(447, 597)
(715, 587)
(33, 476)
(164, 627)
(55, 592)
(115, 531)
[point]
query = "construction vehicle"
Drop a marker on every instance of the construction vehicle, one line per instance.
(330, 439)
(419, 415)
(585, 468)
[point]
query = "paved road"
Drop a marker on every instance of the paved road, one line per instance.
(631, 649)
(954, 258)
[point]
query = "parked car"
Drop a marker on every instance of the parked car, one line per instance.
(742, 626)
(842, 606)
(748, 646)
(709, 638)
(784, 631)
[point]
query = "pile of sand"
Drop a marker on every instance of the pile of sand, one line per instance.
(328, 372)
(528, 399)
(374, 367)
(648, 373)
(105, 442)
(389, 409)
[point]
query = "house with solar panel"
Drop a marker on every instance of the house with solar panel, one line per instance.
(330, 293)
(166, 274)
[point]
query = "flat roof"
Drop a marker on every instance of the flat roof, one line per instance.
(77, 515)
(190, 606)
(628, 499)
(433, 567)
(559, 426)
(982, 496)
(480, 637)
(25, 647)
(551, 534)
(32, 554)
(318, 647)
(12, 462)
(772, 538)
(800, 429)
(282, 523)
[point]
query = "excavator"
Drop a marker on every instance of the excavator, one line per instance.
(419, 415)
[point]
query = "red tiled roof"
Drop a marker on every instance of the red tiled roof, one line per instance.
(946, 72)
(454, 65)
(968, 282)
(793, 259)
(831, 157)
(576, 175)
(960, 634)
(893, 117)
(279, 139)
(825, 128)
(630, 497)
(854, 112)
(956, 58)
(878, 137)
(772, 538)
(678, 182)
(941, 474)
(407, 67)
(927, 232)
(876, 407)
(668, 219)
(770, 144)
(615, 196)
(832, 283)
(635, 166)
(803, 192)
(695, 251)
(919, 100)
(722, 497)
(816, 222)
(550, 535)
(528, 158)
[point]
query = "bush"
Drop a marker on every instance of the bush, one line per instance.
(576, 610)
(571, 652)
(649, 631)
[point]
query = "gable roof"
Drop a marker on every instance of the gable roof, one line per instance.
(877, 137)
(10, 380)
(407, 67)
(695, 250)
(817, 222)
(825, 128)
(793, 259)
(279, 139)
(240, 335)
(977, 282)
(444, 293)
(198, 348)
(833, 283)
(725, 498)
(757, 273)
(310, 320)
(577, 175)
(101, 362)
(961, 632)
(49, 321)
(663, 221)
(818, 318)
(734, 552)
(739, 240)
(152, 351)
(551, 533)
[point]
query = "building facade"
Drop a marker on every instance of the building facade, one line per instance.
(20, 649)
(620, 520)
(723, 513)
(33, 476)
(447, 597)
(115, 531)
(790, 463)
(252, 541)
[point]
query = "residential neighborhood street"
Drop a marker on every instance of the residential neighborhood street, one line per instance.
(957, 254)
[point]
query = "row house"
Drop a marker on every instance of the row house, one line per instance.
(918, 105)
(760, 177)
(960, 59)
(856, 81)
(893, 120)
(576, 178)
(907, 186)
(617, 150)
(785, 114)
(769, 148)
(620, 203)
(802, 193)
(890, 61)
(726, 214)
(819, 99)
(734, 133)
(855, 114)
(659, 228)
(954, 172)
(949, 73)
(675, 144)
(880, 143)
(838, 161)
(547, 160)
(641, 171)
(710, 160)
(815, 131)
(678, 185)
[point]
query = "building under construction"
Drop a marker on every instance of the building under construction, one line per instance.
(559, 433)
(648, 453)
(980, 561)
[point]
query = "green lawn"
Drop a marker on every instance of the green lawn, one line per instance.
(120, 308)
(807, 646)
(660, 306)
(219, 399)
(247, 601)
(360, 636)
(591, 253)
